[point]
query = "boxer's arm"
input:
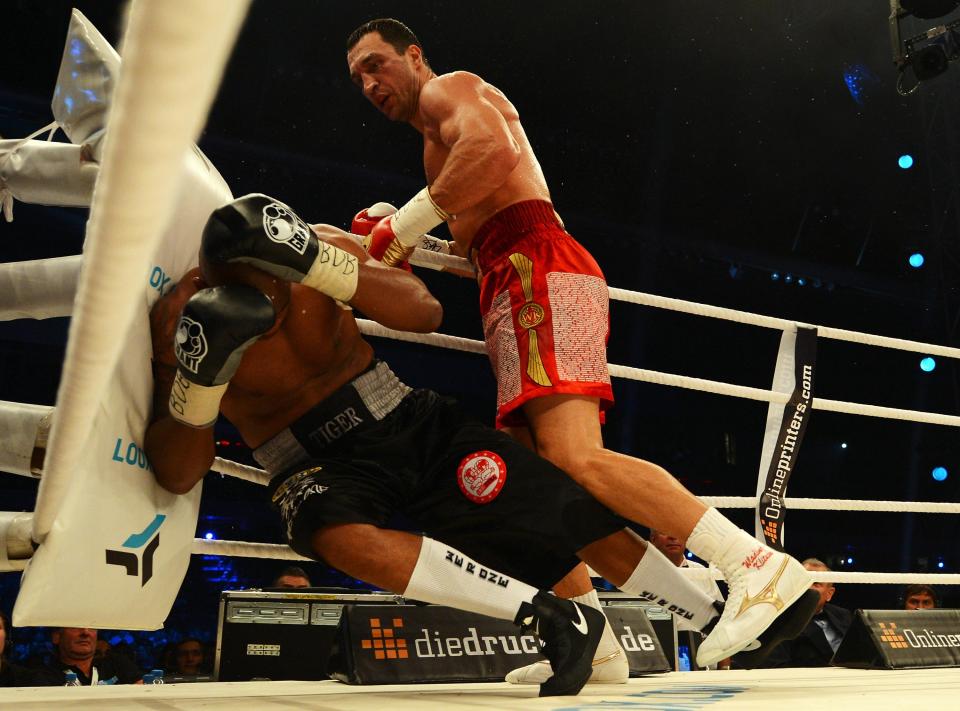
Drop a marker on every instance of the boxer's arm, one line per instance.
(394, 298)
(180, 455)
(483, 152)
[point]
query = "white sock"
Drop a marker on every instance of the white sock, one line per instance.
(657, 579)
(445, 576)
(608, 642)
(712, 535)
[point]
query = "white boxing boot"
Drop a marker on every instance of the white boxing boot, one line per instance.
(763, 584)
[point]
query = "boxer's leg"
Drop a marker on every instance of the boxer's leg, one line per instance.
(423, 569)
(763, 583)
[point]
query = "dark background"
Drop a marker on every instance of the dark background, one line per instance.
(700, 152)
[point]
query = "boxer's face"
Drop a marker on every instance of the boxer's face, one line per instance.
(388, 79)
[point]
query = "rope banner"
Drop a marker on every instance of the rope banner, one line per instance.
(794, 374)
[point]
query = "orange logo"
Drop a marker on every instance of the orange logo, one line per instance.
(383, 642)
(889, 634)
(770, 529)
(531, 315)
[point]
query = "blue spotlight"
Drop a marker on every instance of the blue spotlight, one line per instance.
(928, 364)
(905, 161)
(940, 564)
(209, 535)
(916, 260)
(939, 473)
(775, 276)
(849, 561)
(801, 281)
(788, 279)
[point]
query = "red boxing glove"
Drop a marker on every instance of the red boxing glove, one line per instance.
(381, 243)
(364, 221)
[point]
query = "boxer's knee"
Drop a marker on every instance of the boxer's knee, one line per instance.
(336, 543)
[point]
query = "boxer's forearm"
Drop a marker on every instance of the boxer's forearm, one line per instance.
(179, 455)
(396, 299)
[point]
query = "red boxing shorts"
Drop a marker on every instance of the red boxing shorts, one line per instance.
(545, 309)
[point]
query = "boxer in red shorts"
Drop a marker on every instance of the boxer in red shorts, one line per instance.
(545, 310)
(544, 304)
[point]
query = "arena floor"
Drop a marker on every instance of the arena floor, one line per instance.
(780, 689)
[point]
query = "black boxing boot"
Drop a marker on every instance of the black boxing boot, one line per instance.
(569, 634)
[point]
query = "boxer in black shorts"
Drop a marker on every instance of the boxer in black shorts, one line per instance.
(262, 334)
(461, 482)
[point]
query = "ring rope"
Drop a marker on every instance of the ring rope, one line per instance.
(370, 328)
(426, 258)
(243, 549)
(749, 502)
(259, 476)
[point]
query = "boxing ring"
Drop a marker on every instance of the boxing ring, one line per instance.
(787, 689)
(174, 41)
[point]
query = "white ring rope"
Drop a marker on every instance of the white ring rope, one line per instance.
(792, 503)
(174, 54)
(371, 328)
(242, 549)
(426, 258)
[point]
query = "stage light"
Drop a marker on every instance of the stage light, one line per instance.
(905, 161)
(928, 364)
(849, 561)
(788, 279)
(939, 473)
(843, 445)
(940, 565)
(775, 276)
(916, 260)
(801, 281)
(209, 535)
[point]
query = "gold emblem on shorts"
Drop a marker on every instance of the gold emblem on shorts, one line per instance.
(531, 314)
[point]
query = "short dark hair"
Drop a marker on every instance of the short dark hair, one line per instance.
(292, 571)
(920, 589)
(394, 33)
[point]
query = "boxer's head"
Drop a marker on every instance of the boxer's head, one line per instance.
(387, 63)
(276, 289)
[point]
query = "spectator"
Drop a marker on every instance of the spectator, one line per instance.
(188, 657)
(675, 551)
(815, 646)
(291, 577)
(14, 674)
(920, 597)
(74, 651)
(100, 650)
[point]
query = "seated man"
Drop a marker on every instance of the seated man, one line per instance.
(920, 597)
(74, 649)
(349, 444)
(293, 576)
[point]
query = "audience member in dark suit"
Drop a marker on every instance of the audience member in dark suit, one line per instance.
(814, 647)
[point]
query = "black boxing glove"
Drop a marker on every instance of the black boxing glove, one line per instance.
(258, 230)
(217, 325)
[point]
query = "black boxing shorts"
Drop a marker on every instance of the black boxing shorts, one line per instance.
(375, 449)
